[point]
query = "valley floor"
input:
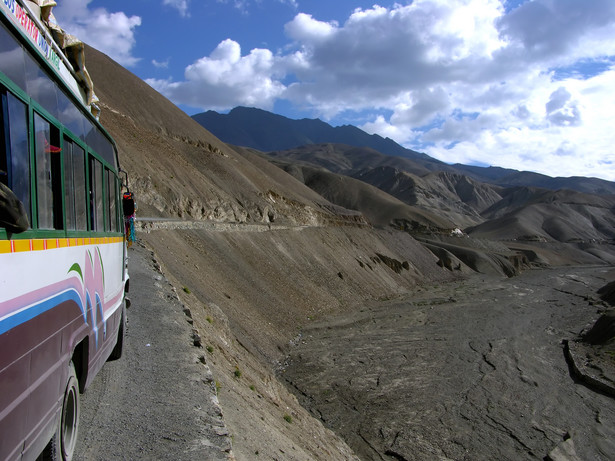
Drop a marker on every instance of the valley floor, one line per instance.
(473, 369)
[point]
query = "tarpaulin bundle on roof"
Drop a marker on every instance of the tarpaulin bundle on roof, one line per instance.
(73, 48)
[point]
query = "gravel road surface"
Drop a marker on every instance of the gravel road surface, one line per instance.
(158, 401)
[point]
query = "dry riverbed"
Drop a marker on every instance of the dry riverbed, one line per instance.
(467, 370)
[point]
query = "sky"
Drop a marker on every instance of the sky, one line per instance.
(523, 84)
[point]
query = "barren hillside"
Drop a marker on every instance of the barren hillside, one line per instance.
(264, 251)
(286, 257)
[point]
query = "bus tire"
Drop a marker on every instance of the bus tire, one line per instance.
(116, 353)
(65, 439)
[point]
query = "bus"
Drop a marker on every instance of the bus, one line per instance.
(63, 273)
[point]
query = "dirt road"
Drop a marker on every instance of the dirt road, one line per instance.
(158, 401)
(469, 370)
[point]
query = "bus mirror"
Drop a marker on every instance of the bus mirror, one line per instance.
(13, 216)
(125, 173)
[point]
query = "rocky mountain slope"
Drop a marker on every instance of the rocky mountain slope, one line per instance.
(482, 209)
(259, 249)
(538, 214)
(282, 256)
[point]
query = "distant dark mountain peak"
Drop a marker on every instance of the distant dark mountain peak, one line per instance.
(265, 131)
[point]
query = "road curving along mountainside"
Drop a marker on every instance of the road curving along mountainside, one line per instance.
(159, 400)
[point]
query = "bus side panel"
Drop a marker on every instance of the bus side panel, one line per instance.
(14, 379)
(31, 384)
(50, 301)
(109, 312)
(99, 358)
(49, 370)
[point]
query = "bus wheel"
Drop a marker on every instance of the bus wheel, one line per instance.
(64, 441)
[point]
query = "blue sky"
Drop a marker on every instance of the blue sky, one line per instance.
(520, 84)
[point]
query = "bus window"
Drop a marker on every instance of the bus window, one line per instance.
(40, 87)
(70, 116)
(69, 186)
(100, 217)
(12, 58)
(74, 186)
(48, 174)
(26, 72)
(79, 185)
(97, 217)
(99, 143)
(19, 155)
(112, 201)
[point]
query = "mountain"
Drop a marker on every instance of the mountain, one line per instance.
(494, 203)
(268, 132)
(260, 247)
(463, 200)
(379, 208)
(544, 215)
(349, 160)
(509, 177)
(444, 193)
(265, 131)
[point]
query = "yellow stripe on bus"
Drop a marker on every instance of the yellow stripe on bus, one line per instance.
(5, 246)
(38, 245)
(20, 246)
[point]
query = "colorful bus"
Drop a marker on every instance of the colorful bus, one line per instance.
(63, 276)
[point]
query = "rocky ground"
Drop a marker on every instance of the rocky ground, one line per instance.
(159, 400)
(227, 323)
(186, 389)
(467, 370)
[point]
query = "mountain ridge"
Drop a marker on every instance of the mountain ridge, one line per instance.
(267, 132)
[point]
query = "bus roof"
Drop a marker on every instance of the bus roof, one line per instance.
(38, 25)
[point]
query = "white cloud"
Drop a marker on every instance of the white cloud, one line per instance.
(561, 110)
(111, 33)
(389, 130)
(226, 79)
(564, 30)
(463, 80)
(179, 5)
(305, 28)
(161, 64)
(560, 128)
